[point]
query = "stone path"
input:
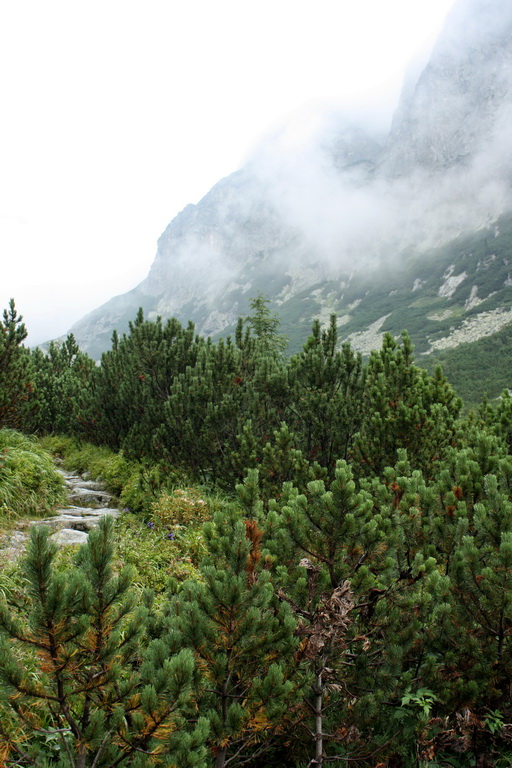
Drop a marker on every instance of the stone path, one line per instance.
(89, 502)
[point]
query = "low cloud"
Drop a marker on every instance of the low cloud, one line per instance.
(358, 197)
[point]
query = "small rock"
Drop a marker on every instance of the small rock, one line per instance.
(49, 522)
(69, 476)
(75, 511)
(10, 554)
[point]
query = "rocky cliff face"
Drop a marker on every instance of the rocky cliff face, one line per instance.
(315, 224)
(205, 247)
(460, 106)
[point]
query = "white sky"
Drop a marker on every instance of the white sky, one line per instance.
(117, 113)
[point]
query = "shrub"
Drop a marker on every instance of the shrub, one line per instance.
(142, 488)
(135, 483)
(181, 507)
(97, 461)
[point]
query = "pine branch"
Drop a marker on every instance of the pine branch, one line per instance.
(101, 748)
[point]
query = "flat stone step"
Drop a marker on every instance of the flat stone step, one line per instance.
(69, 476)
(92, 485)
(99, 511)
(85, 524)
(76, 511)
(11, 554)
(85, 495)
(15, 538)
(68, 537)
(73, 516)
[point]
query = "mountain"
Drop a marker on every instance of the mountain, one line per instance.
(410, 230)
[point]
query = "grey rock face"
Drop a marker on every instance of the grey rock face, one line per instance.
(205, 246)
(462, 99)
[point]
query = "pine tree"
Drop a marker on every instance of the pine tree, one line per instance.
(76, 677)
(404, 407)
(498, 419)
(481, 575)
(265, 326)
(134, 381)
(325, 542)
(327, 387)
(243, 642)
(282, 463)
(15, 383)
(353, 565)
(201, 416)
(63, 383)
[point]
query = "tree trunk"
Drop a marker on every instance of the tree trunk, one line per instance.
(318, 710)
(220, 758)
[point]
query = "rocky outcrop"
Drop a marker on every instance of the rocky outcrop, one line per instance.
(474, 328)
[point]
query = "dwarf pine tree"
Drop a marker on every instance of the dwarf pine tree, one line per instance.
(15, 384)
(500, 418)
(157, 353)
(243, 641)
(265, 326)
(327, 390)
(481, 574)
(352, 567)
(404, 407)
(200, 418)
(80, 690)
(63, 381)
(134, 380)
(328, 543)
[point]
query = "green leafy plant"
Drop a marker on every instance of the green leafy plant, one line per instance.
(494, 721)
(419, 702)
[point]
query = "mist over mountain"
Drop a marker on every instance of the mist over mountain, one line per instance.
(331, 214)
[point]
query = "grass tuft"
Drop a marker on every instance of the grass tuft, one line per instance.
(30, 485)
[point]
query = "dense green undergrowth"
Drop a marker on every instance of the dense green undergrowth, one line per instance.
(466, 365)
(384, 604)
